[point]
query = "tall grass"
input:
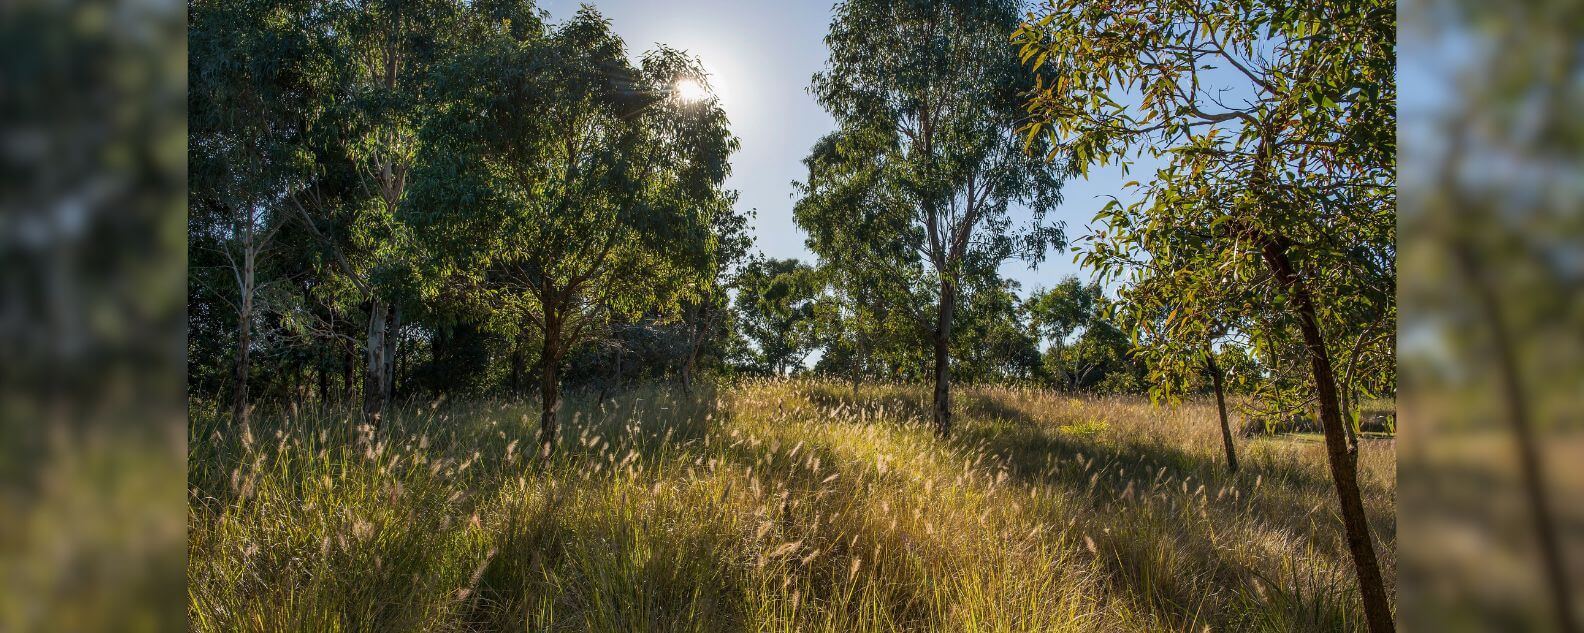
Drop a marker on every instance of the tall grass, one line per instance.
(773, 506)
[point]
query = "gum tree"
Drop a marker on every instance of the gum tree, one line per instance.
(1275, 122)
(926, 97)
(563, 184)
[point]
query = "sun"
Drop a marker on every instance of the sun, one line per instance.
(690, 90)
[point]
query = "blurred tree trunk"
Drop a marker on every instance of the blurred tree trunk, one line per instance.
(1530, 463)
(553, 326)
(252, 243)
(241, 369)
(549, 384)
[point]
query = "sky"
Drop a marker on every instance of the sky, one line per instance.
(761, 55)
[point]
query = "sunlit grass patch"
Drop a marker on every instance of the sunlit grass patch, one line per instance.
(769, 506)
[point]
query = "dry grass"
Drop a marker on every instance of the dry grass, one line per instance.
(787, 506)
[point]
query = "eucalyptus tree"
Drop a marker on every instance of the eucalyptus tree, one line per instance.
(253, 83)
(1276, 125)
(706, 320)
(776, 304)
(383, 55)
(1059, 312)
(926, 96)
(848, 213)
(561, 182)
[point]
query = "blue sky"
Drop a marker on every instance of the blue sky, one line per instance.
(762, 54)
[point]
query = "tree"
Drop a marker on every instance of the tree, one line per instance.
(251, 87)
(384, 56)
(1277, 126)
(994, 344)
(1060, 312)
(563, 184)
(776, 301)
(1218, 384)
(842, 206)
(925, 94)
(706, 319)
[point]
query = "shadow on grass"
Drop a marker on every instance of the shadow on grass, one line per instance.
(1113, 476)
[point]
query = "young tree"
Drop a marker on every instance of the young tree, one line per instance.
(842, 206)
(925, 93)
(776, 303)
(1061, 311)
(559, 181)
(1276, 122)
(706, 319)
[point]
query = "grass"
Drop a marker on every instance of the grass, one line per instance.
(771, 506)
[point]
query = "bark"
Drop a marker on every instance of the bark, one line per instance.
(388, 355)
(857, 366)
(943, 324)
(239, 395)
(549, 389)
(860, 349)
(1343, 459)
(375, 395)
(1217, 379)
(403, 361)
(1532, 470)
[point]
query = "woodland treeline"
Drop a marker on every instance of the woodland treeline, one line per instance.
(395, 199)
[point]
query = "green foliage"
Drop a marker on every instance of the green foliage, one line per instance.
(992, 343)
(777, 311)
(1275, 126)
(566, 185)
(925, 97)
(479, 170)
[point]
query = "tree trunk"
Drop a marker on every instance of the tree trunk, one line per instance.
(549, 389)
(857, 364)
(374, 373)
(1218, 381)
(860, 352)
(1529, 459)
(388, 356)
(1343, 460)
(400, 365)
(943, 324)
(239, 394)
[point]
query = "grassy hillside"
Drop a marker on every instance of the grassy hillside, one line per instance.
(788, 506)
